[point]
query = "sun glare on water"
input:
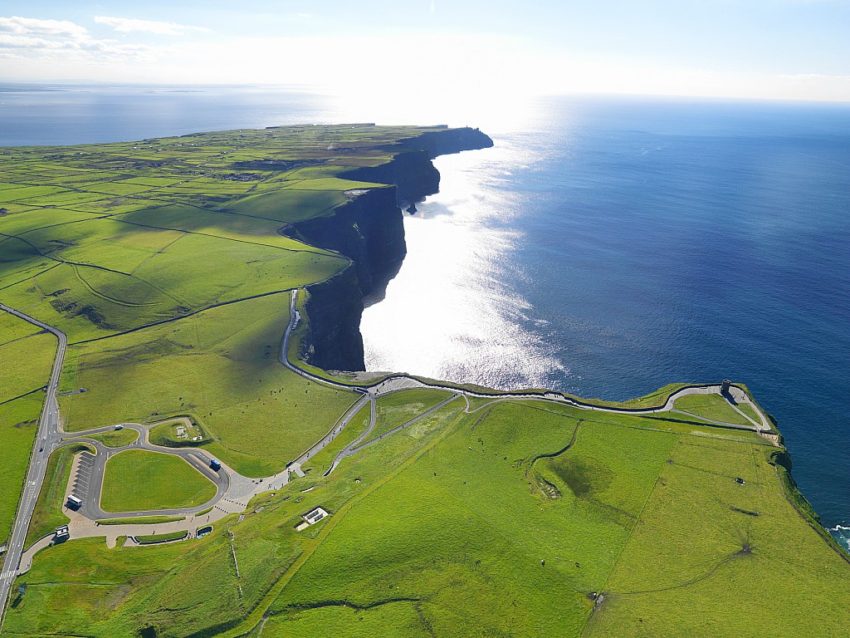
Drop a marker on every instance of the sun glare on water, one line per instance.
(446, 314)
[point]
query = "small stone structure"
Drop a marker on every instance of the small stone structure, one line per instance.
(311, 518)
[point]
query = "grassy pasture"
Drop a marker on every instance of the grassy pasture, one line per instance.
(22, 223)
(141, 480)
(226, 225)
(323, 459)
(402, 406)
(166, 434)
(726, 552)
(18, 422)
(450, 519)
(289, 205)
(710, 406)
(116, 438)
(26, 357)
(219, 365)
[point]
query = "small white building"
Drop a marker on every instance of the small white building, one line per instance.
(311, 518)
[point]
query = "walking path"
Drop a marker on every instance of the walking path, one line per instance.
(233, 490)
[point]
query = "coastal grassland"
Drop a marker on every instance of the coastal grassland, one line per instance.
(399, 407)
(453, 528)
(116, 438)
(224, 224)
(710, 406)
(522, 506)
(142, 587)
(652, 400)
(26, 364)
(748, 410)
(48, 514)
(113, 277)
(289, 205)
(18, 422)
(137, 480)
(323, 459)
(739, 558)
(103, 239)
(12, 329)
(221, 366)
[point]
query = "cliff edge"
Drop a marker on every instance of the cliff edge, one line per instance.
(369, 230)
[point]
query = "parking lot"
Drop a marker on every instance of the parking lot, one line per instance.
(85, 468)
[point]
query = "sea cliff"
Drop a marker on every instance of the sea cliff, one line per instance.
(369, 230)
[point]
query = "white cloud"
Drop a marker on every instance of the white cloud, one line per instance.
(134, 25)
(35, 26)
(49, 39)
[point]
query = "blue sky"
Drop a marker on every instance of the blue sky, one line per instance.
(783, 49)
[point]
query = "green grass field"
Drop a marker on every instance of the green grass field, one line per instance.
(435, 527)
(18, 422)
(138, 480)
(168, 434)
(710, 406)
(26, 356)
(116, 438)
(399, 407)
(219, 365)
(321, 461)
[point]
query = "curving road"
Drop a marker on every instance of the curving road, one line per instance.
(233, 490)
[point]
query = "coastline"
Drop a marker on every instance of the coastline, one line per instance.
(411, 181)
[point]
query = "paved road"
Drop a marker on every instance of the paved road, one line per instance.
(47, 438)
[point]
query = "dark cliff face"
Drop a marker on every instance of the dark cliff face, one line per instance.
(369, 230)
(411, 170)
(334, 308)
(449, 141)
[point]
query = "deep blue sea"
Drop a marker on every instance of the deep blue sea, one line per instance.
(604, 246)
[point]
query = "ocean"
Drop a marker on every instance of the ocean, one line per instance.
(603, 247)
